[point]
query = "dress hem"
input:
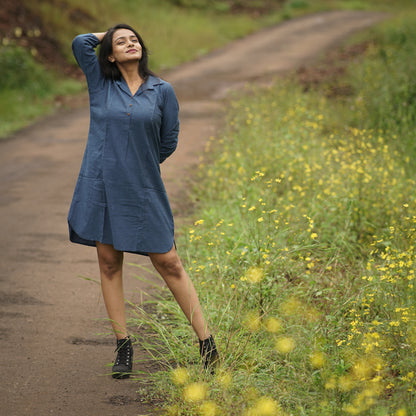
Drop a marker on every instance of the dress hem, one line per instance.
(77, 239)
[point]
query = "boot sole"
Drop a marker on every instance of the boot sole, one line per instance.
(120, 376)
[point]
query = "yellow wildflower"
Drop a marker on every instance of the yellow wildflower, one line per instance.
(254, 274)
(366, 367)
(195, 392)
(264, 406)
(408, 376)
(317, 359)
(285, 345)
(224, 379)
(180, 375)
(291, 307)
(208, 408)
(331, 383)
(252, 321)
(272, 325)
(346, 383)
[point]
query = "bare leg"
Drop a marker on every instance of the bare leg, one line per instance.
(171, 269)
(111, 272)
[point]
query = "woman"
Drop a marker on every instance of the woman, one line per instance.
(120, 203)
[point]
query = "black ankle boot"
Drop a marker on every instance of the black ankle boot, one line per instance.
(209, 354)
(124, 360)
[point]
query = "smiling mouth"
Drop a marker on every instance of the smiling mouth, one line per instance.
(131, 50)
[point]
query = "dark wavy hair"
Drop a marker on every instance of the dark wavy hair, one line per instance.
(110, 69)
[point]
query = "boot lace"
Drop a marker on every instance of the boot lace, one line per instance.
(123, 353)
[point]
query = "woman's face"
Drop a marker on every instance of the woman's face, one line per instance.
(126, 47)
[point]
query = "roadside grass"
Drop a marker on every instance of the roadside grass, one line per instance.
(388, 102)
(27, 91)
(302, 250)
(295, 8)
(19, 108)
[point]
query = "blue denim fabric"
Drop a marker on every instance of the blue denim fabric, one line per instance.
(119, 197)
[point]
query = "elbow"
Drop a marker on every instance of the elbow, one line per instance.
(77, 40)
(166, 152)
(77, 44)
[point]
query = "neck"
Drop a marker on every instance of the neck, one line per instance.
(130, 72)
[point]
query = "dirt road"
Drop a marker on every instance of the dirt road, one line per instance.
(54, 339)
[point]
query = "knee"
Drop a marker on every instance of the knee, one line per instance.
(109, 260)
(110, 265)
(168, 265)
(110, 269)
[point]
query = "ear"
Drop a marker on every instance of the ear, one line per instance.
(111, 59)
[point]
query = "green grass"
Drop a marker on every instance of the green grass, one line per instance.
(19, 108)
(303, 252)
(386, 98)
(27, 91)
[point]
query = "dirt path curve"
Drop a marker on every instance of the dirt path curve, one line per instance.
(52, 348)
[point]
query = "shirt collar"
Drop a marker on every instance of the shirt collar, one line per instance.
(149, 84)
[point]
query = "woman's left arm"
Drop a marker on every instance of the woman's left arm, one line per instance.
(170, 123)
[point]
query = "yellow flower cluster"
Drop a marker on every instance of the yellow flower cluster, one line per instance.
(264, 406)
(386, 338)
(196, 399)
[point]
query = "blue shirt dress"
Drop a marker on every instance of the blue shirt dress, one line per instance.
(119, 197)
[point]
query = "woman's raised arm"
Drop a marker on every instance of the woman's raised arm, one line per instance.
(100, 35)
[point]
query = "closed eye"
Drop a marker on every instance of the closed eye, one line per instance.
(121, 41)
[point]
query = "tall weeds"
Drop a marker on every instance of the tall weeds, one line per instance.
(386, 86)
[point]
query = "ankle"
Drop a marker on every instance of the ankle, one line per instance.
(124, 342)
(207, 337)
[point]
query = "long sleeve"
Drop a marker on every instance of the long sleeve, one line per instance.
(170, 123)
(83, 48)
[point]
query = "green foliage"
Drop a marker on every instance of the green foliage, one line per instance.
(387, 97)
(20, 70)
(303, 255)
(19, 107)
(202, 4)
(27, 90)
(225, 6)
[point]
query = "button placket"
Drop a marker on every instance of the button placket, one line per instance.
(129, 109)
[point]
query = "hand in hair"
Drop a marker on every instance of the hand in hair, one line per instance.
(100, 35)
